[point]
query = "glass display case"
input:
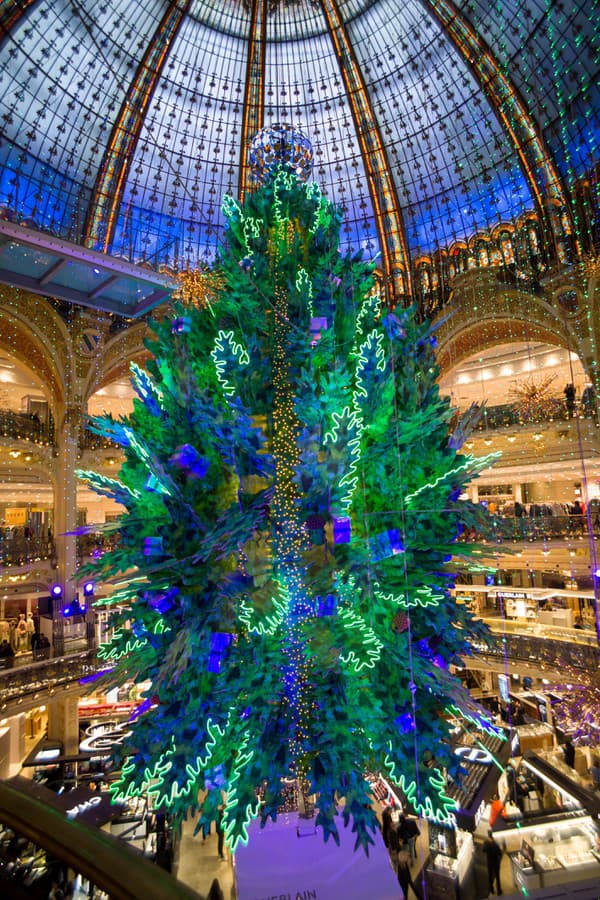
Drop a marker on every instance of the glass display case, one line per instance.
(557, 853)
(451, 852)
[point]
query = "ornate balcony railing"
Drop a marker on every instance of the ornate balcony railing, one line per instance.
(22, 551)
(509, 415)
(23, 682)
(556, 653)
(24, 427)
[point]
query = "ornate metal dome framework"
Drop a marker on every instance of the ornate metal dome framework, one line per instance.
(451, 136)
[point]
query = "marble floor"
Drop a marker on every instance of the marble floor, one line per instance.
(197, 863)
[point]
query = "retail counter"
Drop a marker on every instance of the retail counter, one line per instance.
(535, 737)
(445, 874)
(562, 853)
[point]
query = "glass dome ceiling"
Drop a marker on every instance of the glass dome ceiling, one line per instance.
(124, 124)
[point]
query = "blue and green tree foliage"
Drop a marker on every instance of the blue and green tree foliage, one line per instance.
(291, 498)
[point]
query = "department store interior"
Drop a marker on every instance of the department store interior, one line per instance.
(463, 148)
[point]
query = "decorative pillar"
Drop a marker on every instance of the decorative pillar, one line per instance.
(63, 723)
(65, 514)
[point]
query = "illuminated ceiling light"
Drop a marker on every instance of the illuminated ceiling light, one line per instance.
(507, 370)
(511, 438)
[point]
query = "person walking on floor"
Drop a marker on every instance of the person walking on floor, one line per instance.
(386, 825)
(404, 877)
(219, 830)
(409, 832)
(493, 855)
(594, 771)
(569, 393)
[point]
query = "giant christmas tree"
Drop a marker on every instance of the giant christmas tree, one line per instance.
(292, 505)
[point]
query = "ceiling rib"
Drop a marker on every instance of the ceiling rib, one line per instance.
(535, 158)
(110, 184)
(388, 218)
(254, 89)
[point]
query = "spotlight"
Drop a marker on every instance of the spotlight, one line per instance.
(88, 589)
(57, 591)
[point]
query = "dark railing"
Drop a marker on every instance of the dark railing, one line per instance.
(541, 526)
(25, 427)
(23, 551)
(24, 681)
(22, 426)
(508, 415)
(95, 545)
(20, 551)
(88, 440)
(557, 653)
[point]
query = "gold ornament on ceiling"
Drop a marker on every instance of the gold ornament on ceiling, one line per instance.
(535, 401)
(591, 266)
(198, 287)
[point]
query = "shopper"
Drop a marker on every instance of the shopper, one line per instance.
(569, 753)
(497, 811)
(569, 393)
(219, 830)
(386, 825)
(594, 771)
(404, 877)
(408, 831)
(493, 855)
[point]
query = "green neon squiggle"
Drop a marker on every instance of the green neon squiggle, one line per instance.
(270, 623)
(371, 643)
(225, 340)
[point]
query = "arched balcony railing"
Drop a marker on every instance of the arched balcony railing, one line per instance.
(507, 415)
(21, 550)
(26, 427)
(25, 681)
(556, 653)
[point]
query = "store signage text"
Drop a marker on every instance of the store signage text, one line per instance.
(84, 807)
(474, 755)
(511, 595)
(299, 895)
(104, 737)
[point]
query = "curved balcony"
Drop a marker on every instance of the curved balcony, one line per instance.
(24, 551)
(511, 415)
(553, 652)
(25, 427)
(23, 686)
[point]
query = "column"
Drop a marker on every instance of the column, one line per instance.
(65, 514)
(63, 723)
